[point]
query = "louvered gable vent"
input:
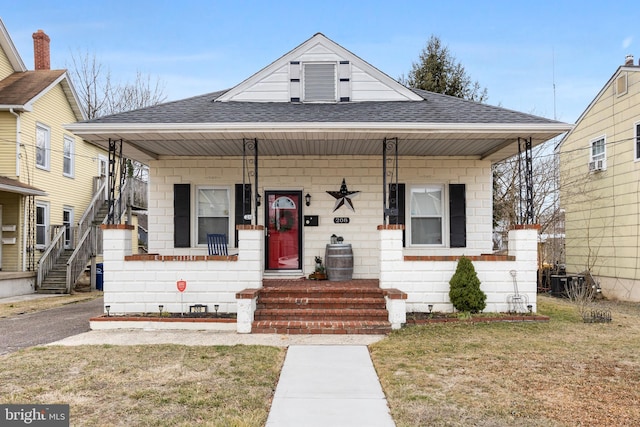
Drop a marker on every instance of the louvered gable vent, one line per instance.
(319, 82)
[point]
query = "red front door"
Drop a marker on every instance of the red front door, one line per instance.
(284, 233)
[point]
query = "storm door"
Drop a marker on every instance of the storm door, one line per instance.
(67, 221)
(284, 233)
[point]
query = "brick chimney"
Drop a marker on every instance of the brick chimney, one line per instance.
(628, 60)
(41, 54)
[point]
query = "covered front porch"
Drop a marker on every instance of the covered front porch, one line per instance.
(140, 283)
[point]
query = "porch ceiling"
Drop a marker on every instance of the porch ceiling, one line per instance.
(483, 141)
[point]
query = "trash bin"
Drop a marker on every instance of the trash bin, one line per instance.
(99, 276)
(559, 285)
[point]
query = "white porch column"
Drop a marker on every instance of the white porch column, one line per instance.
(523, 244)
(391, 255)
(116, 244)
(251, 255)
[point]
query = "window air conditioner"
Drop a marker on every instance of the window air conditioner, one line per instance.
(596, 165)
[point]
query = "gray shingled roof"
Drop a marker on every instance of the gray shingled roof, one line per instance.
(436, 108)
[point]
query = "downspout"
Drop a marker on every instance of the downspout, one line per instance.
(17, 141)
(24, 209)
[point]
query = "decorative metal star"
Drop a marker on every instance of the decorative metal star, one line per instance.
(343, 197)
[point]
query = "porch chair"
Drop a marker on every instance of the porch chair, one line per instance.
(217, 244)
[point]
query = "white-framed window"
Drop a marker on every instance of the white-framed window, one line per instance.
(319, 82)
(427, 214)
(636, 140)
(68, 154)
(598, 154)
(67, 221)
(43, 146)
(42, 224)
(213, 212)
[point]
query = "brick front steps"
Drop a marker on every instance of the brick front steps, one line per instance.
(309, 307)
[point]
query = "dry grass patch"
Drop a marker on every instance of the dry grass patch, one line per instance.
(159, 385)
(29, 306)
(563, 372)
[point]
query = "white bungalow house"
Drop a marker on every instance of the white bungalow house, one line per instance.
(318, 143)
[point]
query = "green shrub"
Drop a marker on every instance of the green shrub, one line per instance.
(465, 293)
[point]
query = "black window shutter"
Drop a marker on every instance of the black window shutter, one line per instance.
(397, 200)
(181, 215)
(457, 216)
(239, 216)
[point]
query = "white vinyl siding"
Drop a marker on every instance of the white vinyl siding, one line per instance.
(319, 82)
(427, 215)
(43, 146)
(68, 152)
(213, 212)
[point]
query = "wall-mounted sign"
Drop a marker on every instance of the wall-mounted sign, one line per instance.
(181, 285)
(341, 220)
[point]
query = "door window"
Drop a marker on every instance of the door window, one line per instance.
(283, 238)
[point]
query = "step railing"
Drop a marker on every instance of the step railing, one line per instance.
(78, 260)
(138, 193)
(84, 249)
(132, 193)
(51, 254)
(94, 206)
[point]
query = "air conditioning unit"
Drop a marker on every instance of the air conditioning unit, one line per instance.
(596, 165)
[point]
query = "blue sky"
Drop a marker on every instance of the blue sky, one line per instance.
(517, 50)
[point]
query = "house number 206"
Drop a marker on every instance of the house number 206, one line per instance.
(341, 220)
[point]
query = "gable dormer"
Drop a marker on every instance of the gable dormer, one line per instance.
(319, 71)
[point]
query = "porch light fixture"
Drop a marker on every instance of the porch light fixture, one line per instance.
(258, 199)
(107, 307)
(430, 307)
(307, 199)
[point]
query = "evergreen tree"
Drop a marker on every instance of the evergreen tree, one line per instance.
(437, 71)
(465, 293)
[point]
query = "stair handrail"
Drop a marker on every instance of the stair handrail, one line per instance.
(124, 195)
(51, 255)
(79, 258)
(92, 209)
(82, 253)
(138, 194)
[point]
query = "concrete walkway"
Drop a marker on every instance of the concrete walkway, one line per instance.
(330, 385)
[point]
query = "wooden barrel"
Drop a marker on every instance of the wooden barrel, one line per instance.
(339, 262)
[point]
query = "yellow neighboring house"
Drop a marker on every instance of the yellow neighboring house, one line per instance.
(48, 176)
(600, 187)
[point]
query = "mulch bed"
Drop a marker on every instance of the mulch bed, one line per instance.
(419, 318)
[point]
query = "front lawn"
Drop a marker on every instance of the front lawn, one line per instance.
(561, 372)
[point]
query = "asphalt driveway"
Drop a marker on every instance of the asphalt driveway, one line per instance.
(43, 327)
